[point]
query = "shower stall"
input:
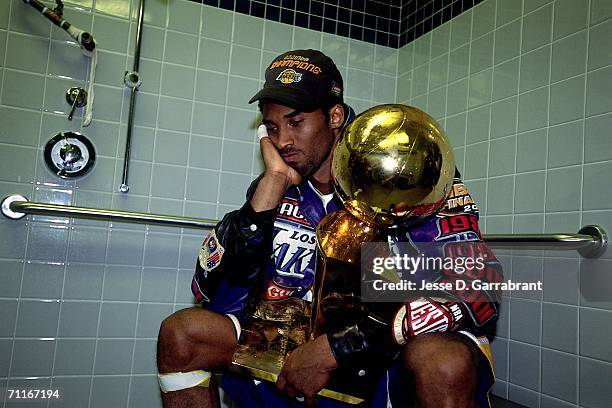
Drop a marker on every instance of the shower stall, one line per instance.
(522, 88)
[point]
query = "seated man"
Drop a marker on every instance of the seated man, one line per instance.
(255, 253)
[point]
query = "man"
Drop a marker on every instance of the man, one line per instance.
(254, 253)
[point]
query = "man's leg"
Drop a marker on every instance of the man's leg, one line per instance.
(444, 368)
(191, 340)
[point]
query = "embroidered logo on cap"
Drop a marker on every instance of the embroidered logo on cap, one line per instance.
(336, 89)
(289, 76)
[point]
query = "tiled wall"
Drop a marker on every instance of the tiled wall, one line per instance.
(81, 300)
(524, 89)
(419, 17)
(392, 23)
(374, 21)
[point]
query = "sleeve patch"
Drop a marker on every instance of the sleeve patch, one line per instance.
(210, 252)
(459, 200)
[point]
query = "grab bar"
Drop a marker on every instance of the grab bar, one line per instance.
(17, 206)
(591, 241)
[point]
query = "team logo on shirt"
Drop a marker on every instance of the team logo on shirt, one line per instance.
(290, 210)
(459, 200)
(278, 292)
(294, 249)
(462, 227)
(289, 76)
(210, 252)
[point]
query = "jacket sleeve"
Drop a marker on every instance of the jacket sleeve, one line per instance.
(375, 341)
(235, 250)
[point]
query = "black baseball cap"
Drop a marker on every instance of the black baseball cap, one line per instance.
(305, 80)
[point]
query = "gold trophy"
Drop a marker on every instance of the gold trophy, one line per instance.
(392, 166)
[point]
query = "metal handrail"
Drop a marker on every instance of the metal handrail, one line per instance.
(591, 241)
(17, 206)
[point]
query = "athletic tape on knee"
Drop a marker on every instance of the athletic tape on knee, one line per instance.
(179, 381)
(234, 320)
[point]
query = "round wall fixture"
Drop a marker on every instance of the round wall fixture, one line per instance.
(69, 155)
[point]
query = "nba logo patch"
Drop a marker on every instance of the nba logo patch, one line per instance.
(210, 252)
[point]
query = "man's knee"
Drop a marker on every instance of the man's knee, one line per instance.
(195, 339)
(445, 358)
(174, 348)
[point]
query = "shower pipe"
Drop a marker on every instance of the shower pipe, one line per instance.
(132, 80)
(83, 38)
(591, 241)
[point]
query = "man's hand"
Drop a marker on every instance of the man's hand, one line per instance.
(278, 175)
(307, 370)
(275, 165)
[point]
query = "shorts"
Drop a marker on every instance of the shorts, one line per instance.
(390, 390)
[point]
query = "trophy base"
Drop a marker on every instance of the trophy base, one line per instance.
(266, 366)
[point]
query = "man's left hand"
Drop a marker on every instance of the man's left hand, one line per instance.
(307, 370)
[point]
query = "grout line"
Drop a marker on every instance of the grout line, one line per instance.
(467, 101)
(5, 52)
(223, 139)
(100, 303)
(184, 201)
(581, 209)
(397, 73)
(490, 103)
(114, 195)
(133, 23)
(60, 306)
(511, 261)
(546, 159)
(27, 225)
(255, 148)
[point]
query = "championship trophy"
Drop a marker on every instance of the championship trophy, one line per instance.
(392, 167)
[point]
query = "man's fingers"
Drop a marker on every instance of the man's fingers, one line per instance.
(271, 156)
(310, 401)
(264, 141)
(262, 131)
(290, 392)
(281, 382)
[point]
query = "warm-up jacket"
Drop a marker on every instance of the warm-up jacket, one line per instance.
(271, 255)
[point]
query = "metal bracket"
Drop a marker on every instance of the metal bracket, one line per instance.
(6, 206)
(599, 246)
(132, 79)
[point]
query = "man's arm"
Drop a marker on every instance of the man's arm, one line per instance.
(234, 250)
(376, 340)
(241, 243)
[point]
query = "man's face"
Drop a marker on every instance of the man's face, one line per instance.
(304, 140)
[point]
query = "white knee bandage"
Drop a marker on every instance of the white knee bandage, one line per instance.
(236, 325)
(199, 378)
(180, 381)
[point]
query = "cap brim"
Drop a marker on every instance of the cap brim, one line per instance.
(294, 98)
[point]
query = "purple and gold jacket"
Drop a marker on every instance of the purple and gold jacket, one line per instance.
(271, 255)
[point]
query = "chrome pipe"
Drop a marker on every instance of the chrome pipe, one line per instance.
(591, 241)
(140, 21)
(132, 80)
(124, 187)
(83, 38)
